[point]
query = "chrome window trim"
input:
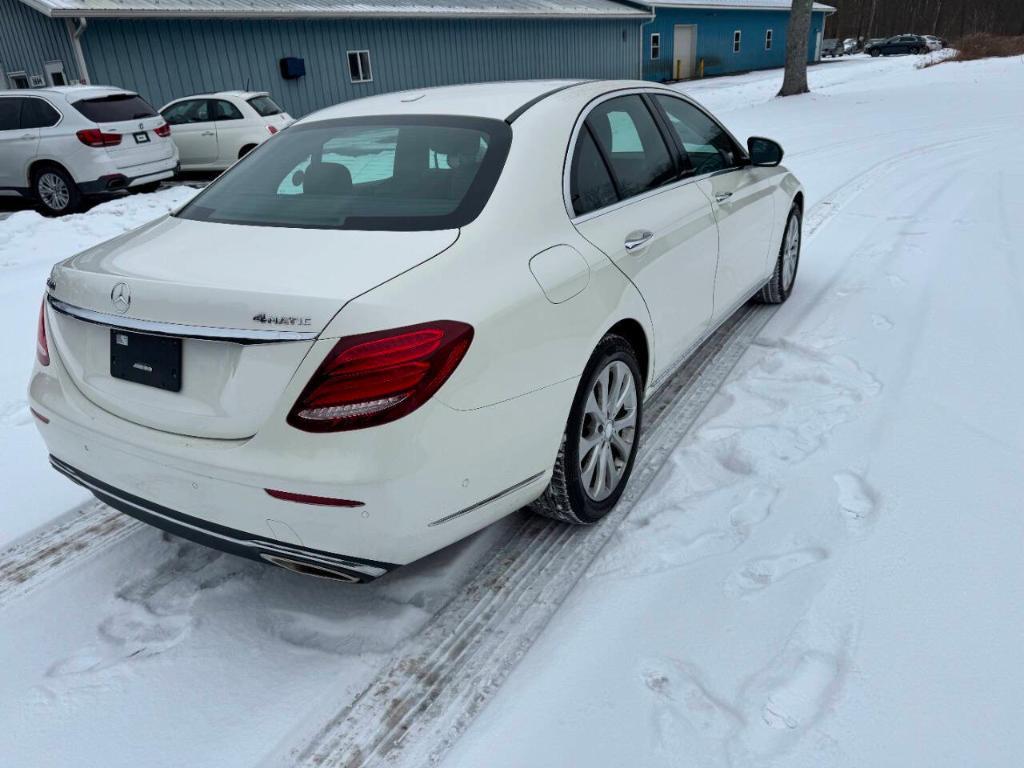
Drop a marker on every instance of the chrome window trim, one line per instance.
(574, 136)
(179, 330)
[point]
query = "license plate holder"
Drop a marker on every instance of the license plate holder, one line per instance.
(141, 138)
(142, 358)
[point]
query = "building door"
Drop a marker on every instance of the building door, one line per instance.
(817, 45)
(684, 51)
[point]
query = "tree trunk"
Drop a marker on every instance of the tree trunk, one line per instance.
(795, 80)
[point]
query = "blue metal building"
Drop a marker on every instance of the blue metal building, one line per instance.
(165, 49)
(698, 38)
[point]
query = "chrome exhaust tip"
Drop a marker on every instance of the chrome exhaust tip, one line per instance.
(311, 569)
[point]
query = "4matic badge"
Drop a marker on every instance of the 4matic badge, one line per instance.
(266, 319)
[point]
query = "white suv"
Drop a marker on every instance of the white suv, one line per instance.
(58, 144)
(213, 130)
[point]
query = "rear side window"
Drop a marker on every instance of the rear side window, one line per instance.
(36, 113)
(10, 114)
(191, 111)
(115, 109)
(398, 173)
(705, 142)
(225, 110)
(629, 138)
(590, 185)
(265, 106)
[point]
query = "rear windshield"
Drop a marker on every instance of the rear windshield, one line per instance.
(398, 173)
(115, 109)
(265, 106)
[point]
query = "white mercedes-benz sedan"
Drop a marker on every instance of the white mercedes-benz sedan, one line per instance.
(407, 316)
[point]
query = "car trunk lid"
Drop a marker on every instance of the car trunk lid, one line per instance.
(135, 121)
(245, 301)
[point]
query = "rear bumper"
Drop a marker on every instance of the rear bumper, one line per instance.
(241, 543)
(118, 181)
(424, 481)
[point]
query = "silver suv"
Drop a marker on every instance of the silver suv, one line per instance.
(59, 144)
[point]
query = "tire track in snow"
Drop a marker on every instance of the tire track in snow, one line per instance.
(74, 538)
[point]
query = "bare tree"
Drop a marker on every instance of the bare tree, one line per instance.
(795, 80)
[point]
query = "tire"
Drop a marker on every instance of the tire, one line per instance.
(875, 53)
(574, 495)
(246, 150)
(55, 190)
(780, 286)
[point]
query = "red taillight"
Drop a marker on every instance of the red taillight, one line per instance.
(163, 130)
(272, 129)
(94, 137)
(42, 349)
(374, 378)
(321, 501)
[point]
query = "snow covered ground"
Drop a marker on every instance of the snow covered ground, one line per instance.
(828, 571)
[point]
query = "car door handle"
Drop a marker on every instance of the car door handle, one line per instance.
(721, 197)
(635, 241)
(207, 133)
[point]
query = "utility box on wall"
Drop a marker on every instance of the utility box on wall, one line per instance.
(292, 68)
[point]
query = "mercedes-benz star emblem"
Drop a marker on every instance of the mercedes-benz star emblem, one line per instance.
(121, 297)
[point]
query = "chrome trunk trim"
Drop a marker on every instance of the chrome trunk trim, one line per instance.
(180, 330)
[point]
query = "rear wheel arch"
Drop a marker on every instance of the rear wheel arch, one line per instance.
(798, 201)
(38, 165)
(633, 332)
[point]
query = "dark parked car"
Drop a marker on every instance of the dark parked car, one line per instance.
(897, 45)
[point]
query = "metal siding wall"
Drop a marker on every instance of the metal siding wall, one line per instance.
(28, 39)
(164, 60)
(714, 40)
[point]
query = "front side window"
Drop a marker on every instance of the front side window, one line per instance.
(225, 110)
(359, 66)
(705, 142)
(655, 45)
(265, 106)
(628, 138)
(115, 109)
(36, 113)
(184, 112)
(398, 173)
(590, 184)
(736, 38)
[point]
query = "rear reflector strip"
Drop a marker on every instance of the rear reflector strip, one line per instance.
(321, 501)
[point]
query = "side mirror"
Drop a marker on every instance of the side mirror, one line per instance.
(764, 152)
(298, 177)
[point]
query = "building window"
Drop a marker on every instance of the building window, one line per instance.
(736, 41)
(55, 73)
(768, 40)
(359, 66)
(18, 79)
(655, 45)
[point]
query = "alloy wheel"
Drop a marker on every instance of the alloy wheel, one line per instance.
(790, 253)
(54, 191)
(608, 430)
